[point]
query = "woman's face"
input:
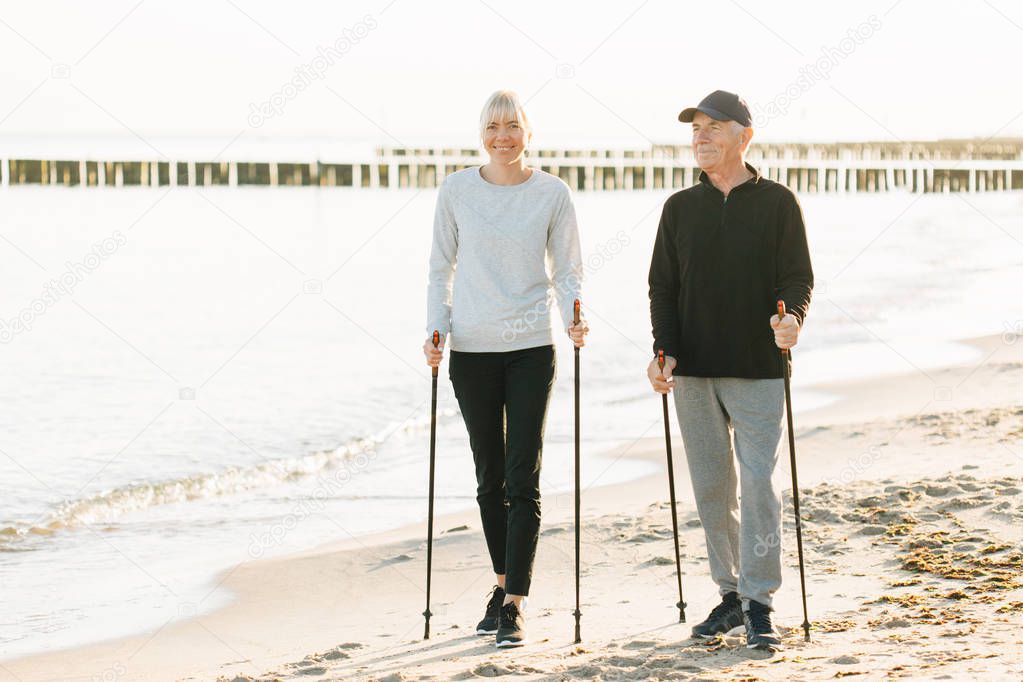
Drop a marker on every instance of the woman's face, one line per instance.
(505, 141)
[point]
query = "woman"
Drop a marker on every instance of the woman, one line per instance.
(501, 223)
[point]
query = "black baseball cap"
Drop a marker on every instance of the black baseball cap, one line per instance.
(721, 106)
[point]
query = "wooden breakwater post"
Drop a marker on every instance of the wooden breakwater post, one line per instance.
(808, 168)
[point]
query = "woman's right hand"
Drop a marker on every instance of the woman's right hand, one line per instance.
(433, 355)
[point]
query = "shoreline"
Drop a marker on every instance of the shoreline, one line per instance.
(314, 602)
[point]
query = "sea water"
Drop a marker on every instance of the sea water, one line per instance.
(200, 377)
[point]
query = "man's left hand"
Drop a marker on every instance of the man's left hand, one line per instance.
(786, 330)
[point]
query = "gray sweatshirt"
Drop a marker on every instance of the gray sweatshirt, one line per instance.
(498, 250)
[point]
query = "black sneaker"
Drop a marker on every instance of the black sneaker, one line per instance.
(760, 632)
(511, 630)
(724, 617)
(488, 626)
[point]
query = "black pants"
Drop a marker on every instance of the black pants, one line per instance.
(503, 398)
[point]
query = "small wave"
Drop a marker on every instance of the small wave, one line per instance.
(111, 504)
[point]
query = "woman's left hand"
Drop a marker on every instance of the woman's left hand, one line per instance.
(578, 332)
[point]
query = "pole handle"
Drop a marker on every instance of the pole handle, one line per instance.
(436, 343)
(660, 359)
(575, 312)
(781, 315)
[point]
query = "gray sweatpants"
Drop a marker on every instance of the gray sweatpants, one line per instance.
(745, 557)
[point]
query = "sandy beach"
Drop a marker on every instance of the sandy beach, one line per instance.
(912, 499)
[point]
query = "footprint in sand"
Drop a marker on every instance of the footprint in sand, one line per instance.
(889, 622)
(650, 536)
(310, 665)
(624, 661)
(658, 561)
(939, 490)
(586, 672)
(312, 670)
(491, 670)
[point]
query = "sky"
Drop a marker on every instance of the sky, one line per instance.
(411, 73)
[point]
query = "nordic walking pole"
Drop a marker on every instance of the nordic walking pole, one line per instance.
(795, 480)
(429, 527)
(578, 613)
(671, 489)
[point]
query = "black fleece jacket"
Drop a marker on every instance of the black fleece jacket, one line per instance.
(719, 266)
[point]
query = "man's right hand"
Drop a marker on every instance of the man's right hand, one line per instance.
(661, 380)
(433, 355)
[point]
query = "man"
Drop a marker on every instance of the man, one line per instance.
(727, 250)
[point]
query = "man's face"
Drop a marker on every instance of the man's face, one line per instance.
(716, 144)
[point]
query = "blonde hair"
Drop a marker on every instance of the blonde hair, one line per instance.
(504, 105)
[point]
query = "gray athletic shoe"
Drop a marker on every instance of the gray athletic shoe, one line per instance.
(760, 632)
(512, 629)
(488, 626)
(724, 617)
